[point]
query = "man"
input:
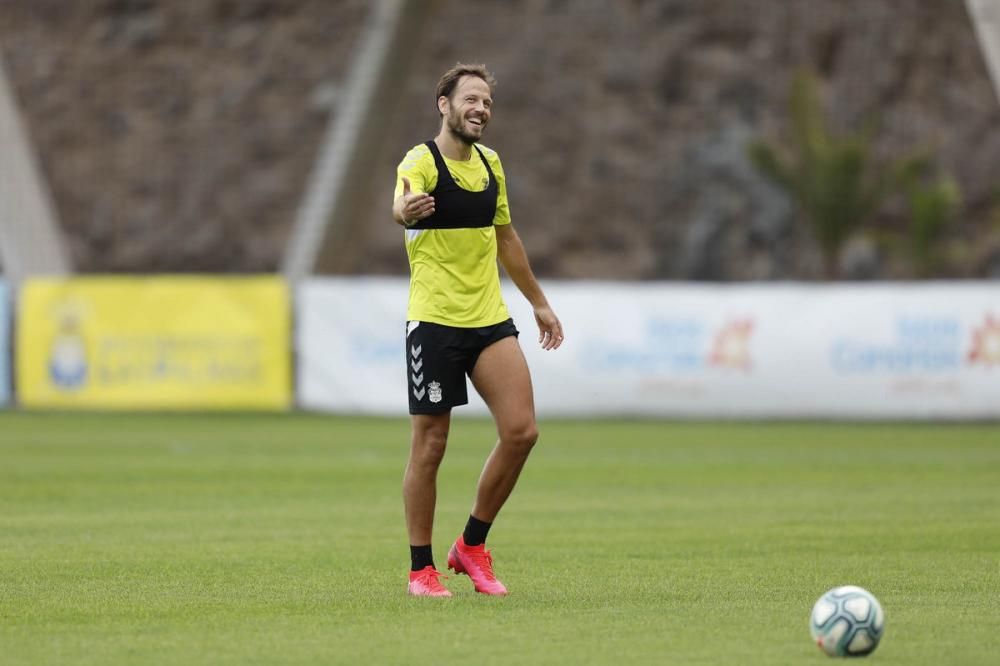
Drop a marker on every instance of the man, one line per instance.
(451, 197)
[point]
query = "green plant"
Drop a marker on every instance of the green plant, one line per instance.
(932, 209)
(834, 179)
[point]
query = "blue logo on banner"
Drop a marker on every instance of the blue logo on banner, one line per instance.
(371, 349)
(669, 345)
(921, 344)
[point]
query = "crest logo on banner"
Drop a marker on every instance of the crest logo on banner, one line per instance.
(731, 346)
(985, 348)
(68, 351)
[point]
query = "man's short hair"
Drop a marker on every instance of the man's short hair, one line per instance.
(446, 86)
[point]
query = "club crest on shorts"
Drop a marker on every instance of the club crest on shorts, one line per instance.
(434, 392)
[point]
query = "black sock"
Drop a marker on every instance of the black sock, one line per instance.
(475, 531)
(421, 557)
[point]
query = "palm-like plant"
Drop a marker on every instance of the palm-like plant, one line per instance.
(932, 209)
(833, 179)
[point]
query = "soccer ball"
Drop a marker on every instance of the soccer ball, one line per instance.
(847, 622)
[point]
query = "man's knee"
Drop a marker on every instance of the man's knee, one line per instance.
(429, 445)
(520, 437)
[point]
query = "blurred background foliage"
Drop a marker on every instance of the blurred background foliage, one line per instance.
(838, 185)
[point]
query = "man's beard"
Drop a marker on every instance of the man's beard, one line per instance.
(456, 125)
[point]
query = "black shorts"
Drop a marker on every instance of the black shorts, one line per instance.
(439, 357)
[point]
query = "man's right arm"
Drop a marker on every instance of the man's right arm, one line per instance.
(410, 207)
(411, 203)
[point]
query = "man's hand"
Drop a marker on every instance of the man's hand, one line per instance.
(550, 332)
(414, 206)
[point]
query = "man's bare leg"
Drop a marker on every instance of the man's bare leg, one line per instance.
(501, 377)
(427, 446)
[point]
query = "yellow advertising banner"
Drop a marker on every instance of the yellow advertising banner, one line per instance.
(154, 343)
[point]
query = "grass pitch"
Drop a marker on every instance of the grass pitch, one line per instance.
(279, 539)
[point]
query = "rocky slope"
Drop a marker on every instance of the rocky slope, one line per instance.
(178, 135)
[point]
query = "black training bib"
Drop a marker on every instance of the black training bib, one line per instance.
(455, 207)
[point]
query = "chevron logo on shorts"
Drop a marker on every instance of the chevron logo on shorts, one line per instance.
(416, 362)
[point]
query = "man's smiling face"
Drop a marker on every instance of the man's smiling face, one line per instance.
(468, 110)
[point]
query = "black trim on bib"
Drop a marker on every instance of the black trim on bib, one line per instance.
(455, 207)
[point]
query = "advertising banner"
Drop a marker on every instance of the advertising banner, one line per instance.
(154, 343)
(4, 344)
(350, 335)
(872, 351)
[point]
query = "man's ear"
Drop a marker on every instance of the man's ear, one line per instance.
(443, 105)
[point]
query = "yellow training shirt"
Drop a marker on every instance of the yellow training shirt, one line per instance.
(454, 279)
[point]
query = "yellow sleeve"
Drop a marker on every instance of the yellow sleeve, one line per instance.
(503, 208)
(418, 166)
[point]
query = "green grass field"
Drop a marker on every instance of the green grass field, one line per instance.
(279, 539)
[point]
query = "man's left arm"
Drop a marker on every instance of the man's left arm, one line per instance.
(510, 251)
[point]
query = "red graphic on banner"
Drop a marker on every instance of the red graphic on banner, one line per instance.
(731, 346)
(986, 343)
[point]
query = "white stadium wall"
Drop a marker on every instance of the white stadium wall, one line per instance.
(858, 351)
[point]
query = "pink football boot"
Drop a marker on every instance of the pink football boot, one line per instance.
(477, 563)
(425, 583)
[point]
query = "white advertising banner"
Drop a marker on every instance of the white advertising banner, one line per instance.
(858, 351)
